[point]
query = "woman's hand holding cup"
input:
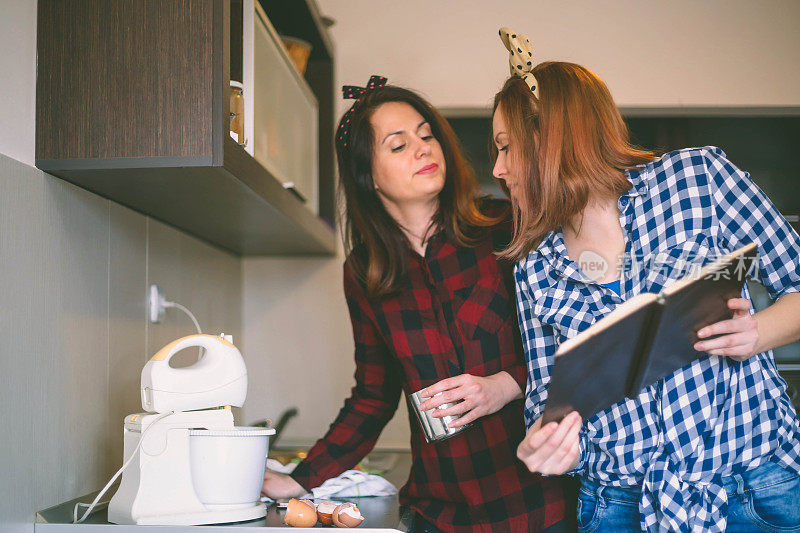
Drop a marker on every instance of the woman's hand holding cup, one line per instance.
(475, 396)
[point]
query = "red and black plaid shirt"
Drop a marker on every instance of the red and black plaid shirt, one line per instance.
(456, 315)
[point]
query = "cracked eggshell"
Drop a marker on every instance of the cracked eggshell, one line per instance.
(347, 515)
(300, 513)
(325, 511)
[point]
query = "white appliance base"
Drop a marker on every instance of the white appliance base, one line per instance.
(219, 515)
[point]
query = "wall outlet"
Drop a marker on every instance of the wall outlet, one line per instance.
(155, 304)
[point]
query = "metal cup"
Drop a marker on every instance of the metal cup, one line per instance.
(435, 428)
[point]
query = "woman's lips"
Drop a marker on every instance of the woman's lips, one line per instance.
(428, 169)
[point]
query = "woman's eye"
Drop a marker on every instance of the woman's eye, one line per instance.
(398, 148)
(427, 137)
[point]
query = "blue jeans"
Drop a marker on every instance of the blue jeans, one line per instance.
(766, 498)
(607, 509)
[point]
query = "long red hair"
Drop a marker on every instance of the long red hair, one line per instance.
(570, 142)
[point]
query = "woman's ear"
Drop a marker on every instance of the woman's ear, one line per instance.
(366, 182)
(371, 181)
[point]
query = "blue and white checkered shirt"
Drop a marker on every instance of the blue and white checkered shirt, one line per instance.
(713, 418)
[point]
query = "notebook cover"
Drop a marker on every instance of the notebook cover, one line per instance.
(686, 312)
(593, 375)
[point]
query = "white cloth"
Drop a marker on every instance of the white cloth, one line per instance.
(354, 484)
(350, 484)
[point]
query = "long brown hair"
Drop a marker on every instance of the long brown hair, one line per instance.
(381, 248)
(570, 142)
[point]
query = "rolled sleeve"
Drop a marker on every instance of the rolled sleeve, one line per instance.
(747, 215)
(583, 438)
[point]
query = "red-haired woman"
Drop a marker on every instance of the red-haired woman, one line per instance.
(431, 308)
(717, 443)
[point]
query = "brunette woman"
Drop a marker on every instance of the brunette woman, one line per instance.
(432, 308)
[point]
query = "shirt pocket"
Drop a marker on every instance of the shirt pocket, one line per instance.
(567, 309)
(483, 308)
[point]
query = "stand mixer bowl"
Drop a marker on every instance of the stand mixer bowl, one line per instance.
(228, 465)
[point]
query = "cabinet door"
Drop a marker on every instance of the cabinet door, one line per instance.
(285, 114)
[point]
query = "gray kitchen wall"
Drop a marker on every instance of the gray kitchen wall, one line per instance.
(74, 269)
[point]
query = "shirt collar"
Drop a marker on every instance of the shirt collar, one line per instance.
(638, 180)
(553, 250)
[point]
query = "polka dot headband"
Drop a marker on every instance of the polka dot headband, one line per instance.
(353, 91)
(520, 60)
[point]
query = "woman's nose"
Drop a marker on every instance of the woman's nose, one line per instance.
(499, 171)
(423, 148)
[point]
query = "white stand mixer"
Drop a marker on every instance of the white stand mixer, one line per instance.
(183, 474)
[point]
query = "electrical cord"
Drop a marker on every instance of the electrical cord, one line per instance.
(185, 310)
(194, 320)
(91, 506)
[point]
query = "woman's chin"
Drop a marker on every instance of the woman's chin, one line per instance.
(431, 185)
(513, 193)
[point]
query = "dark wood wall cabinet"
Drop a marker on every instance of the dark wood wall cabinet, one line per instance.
(132, 104)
